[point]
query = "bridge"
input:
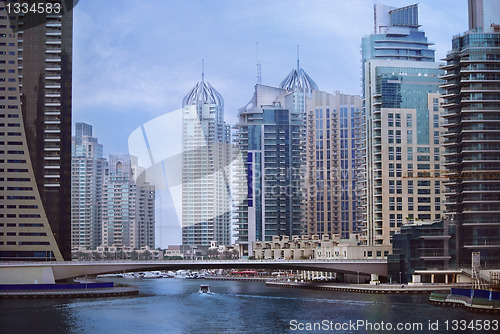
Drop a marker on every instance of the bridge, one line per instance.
(52, 271)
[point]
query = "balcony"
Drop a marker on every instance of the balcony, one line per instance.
(483, 245)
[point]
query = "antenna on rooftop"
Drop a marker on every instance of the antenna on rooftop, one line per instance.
(259, 73)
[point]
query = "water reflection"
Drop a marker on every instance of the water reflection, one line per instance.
(174, 306)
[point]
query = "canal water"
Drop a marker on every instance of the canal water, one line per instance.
(174, 306)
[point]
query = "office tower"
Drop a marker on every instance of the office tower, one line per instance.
(270, 135)
(206, 204)
(399, 150)
(332, 125)
(87, 175)
(472, 138)
(36, 62)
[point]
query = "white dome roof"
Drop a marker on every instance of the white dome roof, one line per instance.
(203, 92)
(298, 80)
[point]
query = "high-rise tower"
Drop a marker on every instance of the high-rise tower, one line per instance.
(128, 212)
(331, 200)
(270, 135)
(400, 124)
(472, 138)
(86, 189)
(206, 202)
(35, 120)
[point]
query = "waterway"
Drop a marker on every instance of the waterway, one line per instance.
(174, 306)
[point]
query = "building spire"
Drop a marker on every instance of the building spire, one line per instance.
(202, 70)
(259, 73)
(298, 59)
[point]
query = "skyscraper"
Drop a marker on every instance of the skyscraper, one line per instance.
(128, 211)
(87, 176)
(35, 153)
(270, 135)
(331, 201)
(400, 124)
(472, 138)
(206, 152)
(118, 203)
(145, 220)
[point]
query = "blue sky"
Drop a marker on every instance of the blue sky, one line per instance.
(135, 60)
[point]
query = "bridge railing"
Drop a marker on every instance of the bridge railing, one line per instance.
(240, 261)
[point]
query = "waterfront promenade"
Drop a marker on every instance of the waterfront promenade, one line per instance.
(71, 293)
(367, 288)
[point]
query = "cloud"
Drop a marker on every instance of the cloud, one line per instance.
(143, 59)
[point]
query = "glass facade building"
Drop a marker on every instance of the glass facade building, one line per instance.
(206, 154)
(269, 135)
(472, 138)
(87, 175)
(400, 123)
(35, 134)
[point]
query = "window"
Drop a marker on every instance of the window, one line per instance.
(424, 183)
(424, 200)
(408, 121)
(398, 120)
(399, 172)
(398, 136)
(390, 119)
(410, 186)
(391, 203)
(399, 203)
(391, 153)
(391, 136)
(391, 170)
(410, 203)
(392, 220)
(409, 137)
(436, 153)
(391, 186)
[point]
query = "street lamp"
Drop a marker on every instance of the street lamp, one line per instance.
(400, 280)
(358, 277)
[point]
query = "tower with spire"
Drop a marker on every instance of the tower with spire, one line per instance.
(270, 134)
(205, 154)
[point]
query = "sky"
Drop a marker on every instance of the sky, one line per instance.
(134, 61)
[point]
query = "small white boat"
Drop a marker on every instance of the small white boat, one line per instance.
(205, 289)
